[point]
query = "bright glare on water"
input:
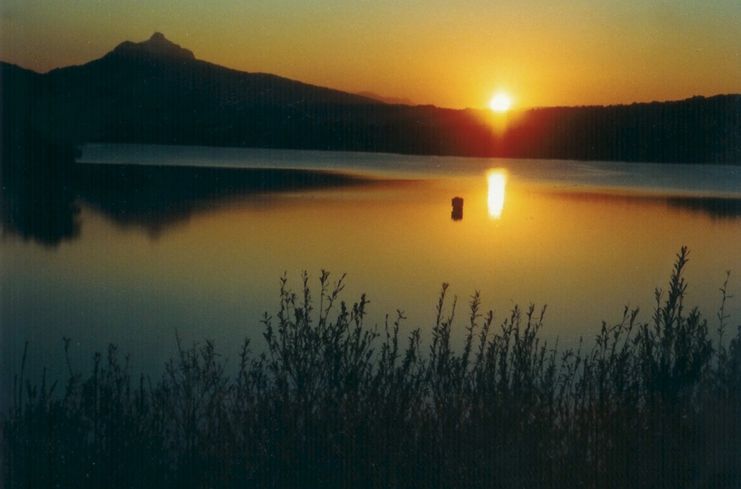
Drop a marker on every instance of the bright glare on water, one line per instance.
(497, 180)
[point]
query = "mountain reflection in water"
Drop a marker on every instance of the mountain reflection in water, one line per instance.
(41, 200)
(713, 207)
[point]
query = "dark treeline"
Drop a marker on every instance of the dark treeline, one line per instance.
(333, 402)
(693, 130)
(157, 92)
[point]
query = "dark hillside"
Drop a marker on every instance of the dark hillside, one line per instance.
(158, 92)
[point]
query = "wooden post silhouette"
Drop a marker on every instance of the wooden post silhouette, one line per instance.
(457, 213)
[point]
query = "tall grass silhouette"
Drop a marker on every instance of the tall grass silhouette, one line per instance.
(334, 402)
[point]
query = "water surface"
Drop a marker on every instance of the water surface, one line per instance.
(145, 241)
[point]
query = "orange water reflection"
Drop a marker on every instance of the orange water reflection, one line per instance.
(497, 183)
(213, 272)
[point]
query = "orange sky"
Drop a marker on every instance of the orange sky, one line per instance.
(542, 52)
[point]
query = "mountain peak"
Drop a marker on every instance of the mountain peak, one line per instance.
(157, 46)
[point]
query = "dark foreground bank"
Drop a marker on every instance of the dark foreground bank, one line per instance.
(335, 403)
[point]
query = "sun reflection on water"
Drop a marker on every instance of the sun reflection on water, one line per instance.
(497, 180)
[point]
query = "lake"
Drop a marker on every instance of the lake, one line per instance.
(148, 241)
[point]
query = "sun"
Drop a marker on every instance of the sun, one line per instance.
(500, 102)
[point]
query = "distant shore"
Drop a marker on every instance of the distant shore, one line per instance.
(150, 98)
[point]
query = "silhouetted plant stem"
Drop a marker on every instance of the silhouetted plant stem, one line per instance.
(332, 402)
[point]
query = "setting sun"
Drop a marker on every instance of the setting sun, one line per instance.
(500, 102)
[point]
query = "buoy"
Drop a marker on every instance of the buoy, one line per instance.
(457, 213)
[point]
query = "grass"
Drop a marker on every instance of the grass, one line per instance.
(333, 402)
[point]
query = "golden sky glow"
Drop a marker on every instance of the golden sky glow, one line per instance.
(452, 54)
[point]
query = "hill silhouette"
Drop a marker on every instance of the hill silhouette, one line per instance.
(156, 91)
(385, 99)
(156, 46)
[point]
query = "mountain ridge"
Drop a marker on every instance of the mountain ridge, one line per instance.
(156, 91)
(156, 45)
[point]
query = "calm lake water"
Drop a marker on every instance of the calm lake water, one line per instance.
(133, 261)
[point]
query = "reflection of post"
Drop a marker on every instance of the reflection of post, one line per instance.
(457, 213)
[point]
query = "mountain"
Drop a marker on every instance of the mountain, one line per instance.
(386, 100)
(156, 91)
(158, 46)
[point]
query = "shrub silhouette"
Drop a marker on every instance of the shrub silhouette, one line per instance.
(333, 402)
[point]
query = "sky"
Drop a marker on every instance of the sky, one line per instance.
(450, 54)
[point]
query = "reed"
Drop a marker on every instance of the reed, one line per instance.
(334, 402)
